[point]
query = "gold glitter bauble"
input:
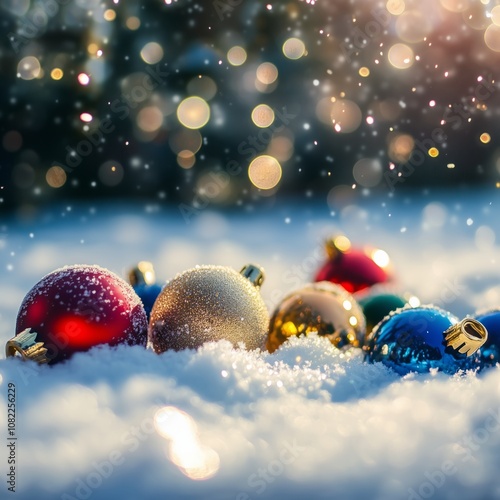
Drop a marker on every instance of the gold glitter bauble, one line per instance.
(209, 303)
(323, 308)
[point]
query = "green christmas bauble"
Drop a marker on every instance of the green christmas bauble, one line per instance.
(377, 306)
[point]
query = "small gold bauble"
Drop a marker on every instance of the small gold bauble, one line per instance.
(323, 308)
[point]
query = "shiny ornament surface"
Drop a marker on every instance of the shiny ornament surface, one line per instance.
(78, 307)
(209, 303)
(354, 269)
(321, 308)
(143, 280)
(490, 351)
(148, 295)
(377, 306)
(412, 339)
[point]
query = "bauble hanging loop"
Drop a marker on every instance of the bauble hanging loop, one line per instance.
(142, 274)
(26, 345)
(466, 337)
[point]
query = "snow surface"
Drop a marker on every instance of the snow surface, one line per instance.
(308, 421)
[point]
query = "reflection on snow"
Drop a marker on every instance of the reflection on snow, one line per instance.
(194, 459)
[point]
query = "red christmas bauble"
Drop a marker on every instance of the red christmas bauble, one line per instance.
(77, 307)
(354, 269)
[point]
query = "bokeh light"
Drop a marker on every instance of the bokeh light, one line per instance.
(186, 159)
(83, 79)
(195, 460)
(367, 172)
(294, 48)
(395, 7)
(265, 172)
(476, 16)
(152, 53)
(492, 37)
(226, 83)
(267, 73)
(150, 119)
(262, 115)
(56, 74)
(345, 115)
(455, 5)
(56, 177)
(324, 109)
(485, 138)
(281, 148)
(111, 173)
(29, 68)
(236, 55)
(495, 15)
(364, 72)
(401, 56)
(109, 15)
(133, 23)
(400, 147)
(380, 257)
(342, 243)
(185, 139)
(193, 112)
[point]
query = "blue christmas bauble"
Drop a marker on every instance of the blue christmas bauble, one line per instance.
(148, 295)
(490, 351)
(412, 339)
(142, 277)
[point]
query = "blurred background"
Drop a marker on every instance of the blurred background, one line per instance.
(233, 103)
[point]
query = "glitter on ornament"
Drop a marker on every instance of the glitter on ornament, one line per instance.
(210, 303)
(78, 307)
(490, 351)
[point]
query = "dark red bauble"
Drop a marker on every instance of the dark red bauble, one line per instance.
(77, 307)
(354, 269)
